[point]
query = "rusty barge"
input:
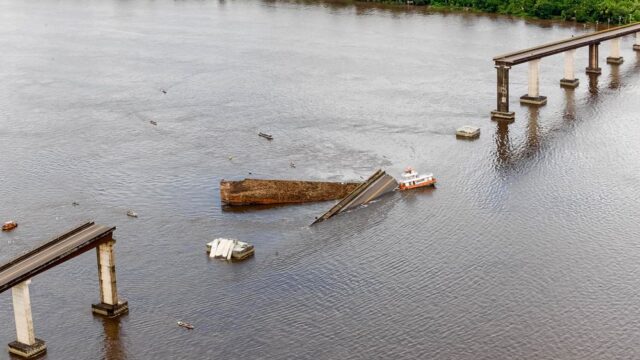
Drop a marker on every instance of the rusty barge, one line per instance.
(264, 192)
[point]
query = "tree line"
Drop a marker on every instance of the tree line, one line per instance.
(612, 11)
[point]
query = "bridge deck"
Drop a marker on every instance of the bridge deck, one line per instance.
(557, 47)
(54, 252)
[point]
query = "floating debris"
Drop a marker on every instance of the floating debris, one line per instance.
(153, 123)
(468, 131)
(229, 249)
(266, 136)
(411, 179)
(186, 325)
(262, 192)
(75, 203)
(163, 91)
(230, 158)
(132, 214)
(292, 165)
(9, 225)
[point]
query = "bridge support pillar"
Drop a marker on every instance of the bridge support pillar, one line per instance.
(110, 305)
(569, 81)
(26, 345)
(636, 46)
(615, 57)
(533, 96)
(502, 112)
(593, 67)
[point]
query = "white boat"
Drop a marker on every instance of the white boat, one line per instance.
(229, 249)
(468, 131)
(412, 180)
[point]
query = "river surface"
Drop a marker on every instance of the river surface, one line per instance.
(528, 248)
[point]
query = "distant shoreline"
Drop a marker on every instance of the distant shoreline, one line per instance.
(596, 14)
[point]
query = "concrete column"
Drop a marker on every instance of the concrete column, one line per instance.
(502, 111)
(569, 80)
(110, 304)
(22, 312)
(533, 96)
(534, 73)
(26, 344)
(593, 67)
(615, 57)
(636, 46)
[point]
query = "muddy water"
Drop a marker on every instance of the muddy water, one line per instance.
(528, 248)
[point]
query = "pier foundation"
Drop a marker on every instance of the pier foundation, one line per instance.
(533, 96)
(594, 67)
(110, 305)
(569, 81)
(502, 112)
(26, 344)
(636, 46)
(615, 57)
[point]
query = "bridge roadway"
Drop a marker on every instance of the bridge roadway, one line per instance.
(54, 252)
(522, 56)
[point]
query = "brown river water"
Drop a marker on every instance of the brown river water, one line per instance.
(527, 249)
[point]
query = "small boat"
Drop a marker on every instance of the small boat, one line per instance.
(132, 214)
(468, 131)
(411, 179)
(266, 136)
(9, 225)
(229, 249)
(185, 325)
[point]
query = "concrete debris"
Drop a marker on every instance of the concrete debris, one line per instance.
(468, 131)
(132, 214)
(229, 249)
(263, 192)
(375, 186)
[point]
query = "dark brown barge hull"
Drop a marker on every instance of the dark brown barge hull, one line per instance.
(263, 192)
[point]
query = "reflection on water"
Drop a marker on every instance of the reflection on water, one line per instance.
(569, 104)
(113, 348)
(593, 84)
(533, 131)
(503, 146)
(614, 77)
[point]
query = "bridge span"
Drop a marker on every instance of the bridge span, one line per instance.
(17, 273)
(503, 64)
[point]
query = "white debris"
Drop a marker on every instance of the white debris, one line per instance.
(468, 131)
(229, 249)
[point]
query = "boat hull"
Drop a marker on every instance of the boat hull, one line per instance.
(403, 187)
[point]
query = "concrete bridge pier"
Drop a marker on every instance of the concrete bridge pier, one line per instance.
(615, 57)
(569, 81)
(502, 112)
(636, 46)
(533, 96)
(26, 345)
(593, 67)
(109, 304)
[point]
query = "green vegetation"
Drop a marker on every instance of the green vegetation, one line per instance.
(613, 11)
